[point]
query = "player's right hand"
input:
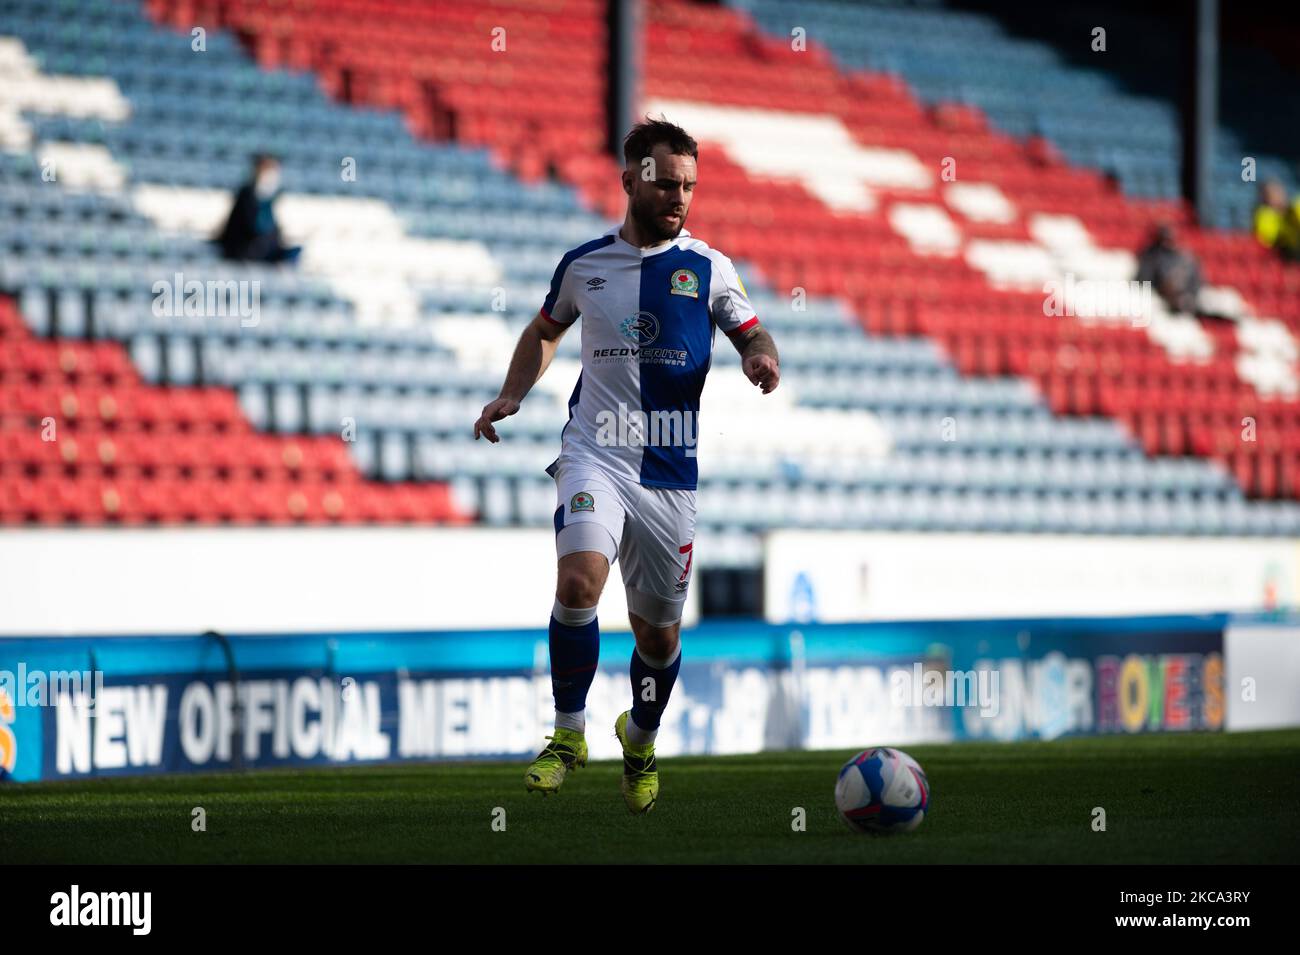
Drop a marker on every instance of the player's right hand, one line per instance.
(493, 411)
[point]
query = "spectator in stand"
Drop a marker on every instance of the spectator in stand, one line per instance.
(1173, 273)
(1277, 221)
(251, 233)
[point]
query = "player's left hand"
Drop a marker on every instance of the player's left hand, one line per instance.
(763, 371)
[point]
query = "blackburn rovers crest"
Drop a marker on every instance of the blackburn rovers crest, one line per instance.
(685, 282)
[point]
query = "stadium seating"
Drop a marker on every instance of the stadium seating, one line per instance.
(924, 388)
(1111, 109)
(84, 440)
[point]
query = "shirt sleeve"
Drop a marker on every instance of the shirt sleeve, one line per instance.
(559, 306)
(728, 301)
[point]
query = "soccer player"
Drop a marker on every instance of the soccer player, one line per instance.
(650, 296)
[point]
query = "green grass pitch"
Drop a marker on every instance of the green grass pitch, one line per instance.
(1206, 798)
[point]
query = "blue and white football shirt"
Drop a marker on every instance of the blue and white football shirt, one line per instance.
(648, 319)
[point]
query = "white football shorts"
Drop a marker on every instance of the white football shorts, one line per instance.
(652, 529)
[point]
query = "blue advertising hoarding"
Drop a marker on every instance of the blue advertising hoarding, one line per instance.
(84, 707)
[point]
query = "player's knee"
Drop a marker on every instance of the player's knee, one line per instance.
(659, 643)
(577, 588)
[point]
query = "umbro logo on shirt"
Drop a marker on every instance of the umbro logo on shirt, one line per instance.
(595, 284)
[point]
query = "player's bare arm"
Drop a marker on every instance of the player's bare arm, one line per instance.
(533, 354)
(758, 358)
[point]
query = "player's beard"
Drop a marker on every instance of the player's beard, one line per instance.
(646, 213)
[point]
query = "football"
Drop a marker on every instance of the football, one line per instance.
(882, 790)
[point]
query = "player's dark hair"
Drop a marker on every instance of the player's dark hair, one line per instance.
(644, 137)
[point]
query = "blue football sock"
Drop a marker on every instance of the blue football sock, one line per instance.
(651, 687)
(575, 650)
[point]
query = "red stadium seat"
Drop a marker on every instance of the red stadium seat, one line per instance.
(128, 453)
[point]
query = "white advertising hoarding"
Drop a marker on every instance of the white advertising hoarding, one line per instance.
(837, 577)
(1262, 687)
(284, 580)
